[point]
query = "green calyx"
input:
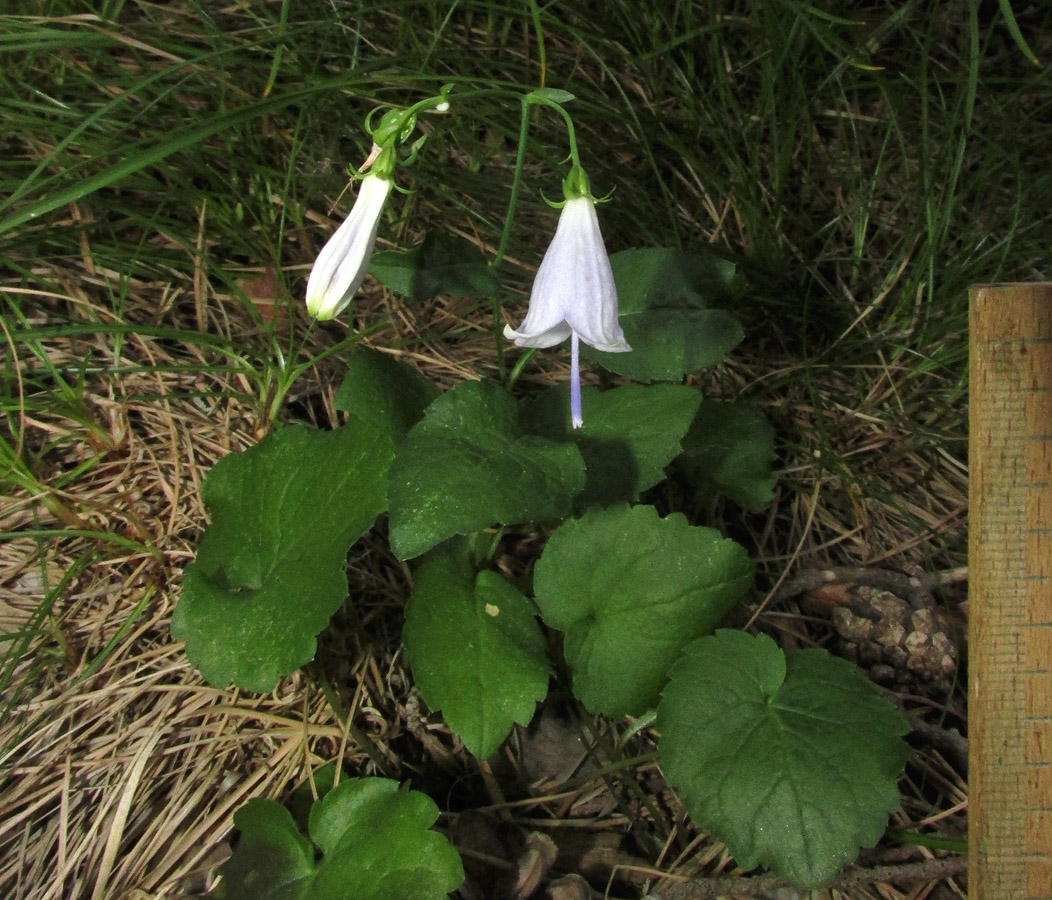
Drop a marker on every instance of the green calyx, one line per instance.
(575, 184)
(384, 164)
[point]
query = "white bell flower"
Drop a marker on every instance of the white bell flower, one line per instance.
(573, 295)
(340, 268)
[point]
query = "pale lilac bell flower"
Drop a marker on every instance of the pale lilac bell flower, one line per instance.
(340, 268)
(573, 295)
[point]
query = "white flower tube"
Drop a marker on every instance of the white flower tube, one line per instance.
(340, 268)
(573, 295)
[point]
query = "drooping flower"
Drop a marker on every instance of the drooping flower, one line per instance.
(340, 268)
(573, 295)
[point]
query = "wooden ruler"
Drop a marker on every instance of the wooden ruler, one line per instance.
(1010, 593)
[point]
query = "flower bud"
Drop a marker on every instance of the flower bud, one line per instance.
(340, 268)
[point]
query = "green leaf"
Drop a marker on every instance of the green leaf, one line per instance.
(56, 194)
(476, 649)
(631, 590)
(269, 571)
(467, 465)
(375, 843)
(792, 764)
(442, 264)
(379, 388)
(552, 95)
(272, 860)
(394, 269)
(665, 300)
(730, 446)
(300, 803)
(1016, 32)
(629, 434)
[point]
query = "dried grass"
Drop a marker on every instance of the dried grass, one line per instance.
(122, 777)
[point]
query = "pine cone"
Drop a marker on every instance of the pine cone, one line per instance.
(896, 643)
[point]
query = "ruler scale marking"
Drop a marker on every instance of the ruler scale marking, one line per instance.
(1010, 596)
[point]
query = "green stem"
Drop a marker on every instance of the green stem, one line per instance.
(454, 98)
(602, 742)
(494, 543)
(516, 183)
(519, 366)
(498, 258)
(343, 715)
(612, 768)
(351, 339)
(498, 337)
(535, 14)
(571, 134)
(931, 841)
(429, 103)
(290, 374)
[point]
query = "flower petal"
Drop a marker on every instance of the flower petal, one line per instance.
(574, 288)
(554, 335)
(340, 268)
(594, 315)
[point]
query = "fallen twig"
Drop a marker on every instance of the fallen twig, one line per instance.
(914, 589)
(745, 887)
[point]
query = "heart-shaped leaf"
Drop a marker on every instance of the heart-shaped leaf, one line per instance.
(467, 465)
(730, 446)
(630, 590)
(269, 571)
(666, 304)
(476, 649)
(793, 764)
(381, 389)
(629, 434)
(442, 264)
(373, 840)
(272, 861)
